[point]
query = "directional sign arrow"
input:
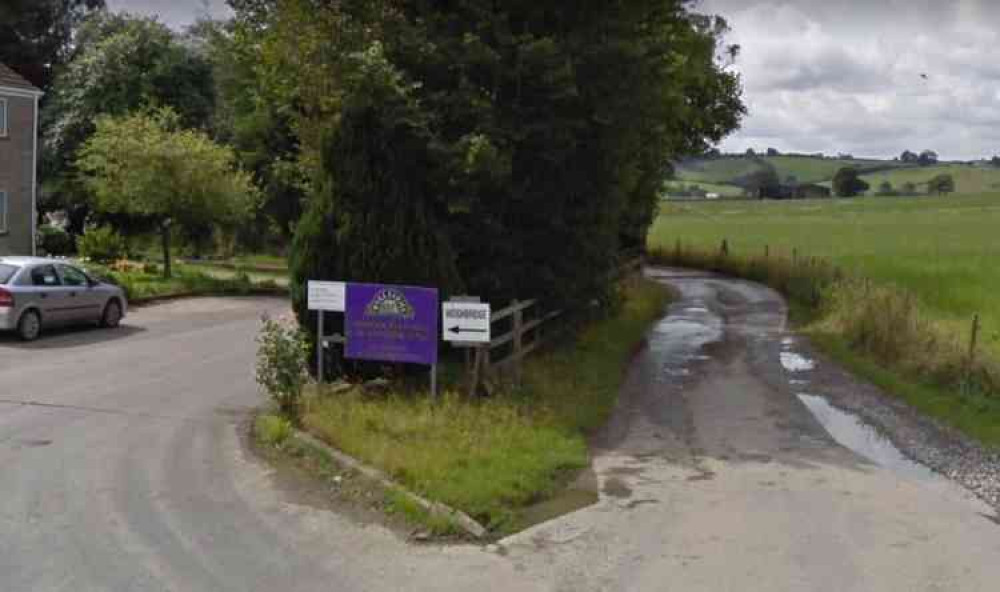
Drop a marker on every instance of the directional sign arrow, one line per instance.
(457, 329)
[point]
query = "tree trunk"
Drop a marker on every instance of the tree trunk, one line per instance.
(165, 235)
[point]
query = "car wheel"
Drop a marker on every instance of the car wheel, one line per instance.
(112, 316)
(30, 326)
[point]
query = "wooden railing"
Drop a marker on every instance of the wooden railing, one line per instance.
(526, 329)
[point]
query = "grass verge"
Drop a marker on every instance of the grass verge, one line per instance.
(879, 331)
(492, 458)
(276, 439)
(146, 283)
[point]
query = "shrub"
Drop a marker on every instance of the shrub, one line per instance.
(282, 365)
(101, 244)
(55, 241)
(272, 430)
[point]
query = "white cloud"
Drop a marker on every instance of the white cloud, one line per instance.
(848, 76)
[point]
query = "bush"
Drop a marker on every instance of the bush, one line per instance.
(101, 244)
(55, 241)
(282, 365)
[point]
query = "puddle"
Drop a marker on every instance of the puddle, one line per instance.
(794, 362)
(849, 431)
(678, 339)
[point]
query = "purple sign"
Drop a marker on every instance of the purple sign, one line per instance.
(392, 323)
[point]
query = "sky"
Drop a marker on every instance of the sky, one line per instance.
(835, 75)
(175, 13)
(846, 75)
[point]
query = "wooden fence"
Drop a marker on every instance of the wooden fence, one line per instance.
(524, 329)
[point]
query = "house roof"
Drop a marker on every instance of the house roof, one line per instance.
(12, 80)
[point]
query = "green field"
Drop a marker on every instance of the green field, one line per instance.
(945, 250)
(815, 170)
(968, 179)
(724, 173)
(722, 190)
(718, 171)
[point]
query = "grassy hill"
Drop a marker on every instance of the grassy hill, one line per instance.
(968, 178)
(815, 170)
(720, 171)
(724, 175)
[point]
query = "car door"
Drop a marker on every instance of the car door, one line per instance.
(83, 303)
(47, 291)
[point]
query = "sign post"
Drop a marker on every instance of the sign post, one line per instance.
(393, 324)
(466, 322)
(324, 297)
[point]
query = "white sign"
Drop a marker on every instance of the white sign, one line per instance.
(327, 296)
(467, 322)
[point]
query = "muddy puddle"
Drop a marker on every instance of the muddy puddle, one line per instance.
(679, 338)
(849, 431)
(862, 439)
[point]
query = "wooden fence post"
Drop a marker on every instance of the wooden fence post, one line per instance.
(518, 342)
(477, 362)
(767, 251)
(725, 248)
(972, 346)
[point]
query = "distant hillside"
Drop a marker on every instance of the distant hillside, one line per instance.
(968, 178)
(728, 175)
(731, 170)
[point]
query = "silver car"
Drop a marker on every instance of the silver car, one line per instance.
(37, 293)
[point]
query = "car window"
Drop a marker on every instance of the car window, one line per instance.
(7, 272)
(72, 276)
(45, 275)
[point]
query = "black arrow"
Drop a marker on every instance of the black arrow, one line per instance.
(457, 329)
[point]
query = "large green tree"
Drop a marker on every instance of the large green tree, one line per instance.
(540, 136)
(258, 128)
(146, 166)
(36, 36)
(941, 184)
(123, 63)
(847, 183)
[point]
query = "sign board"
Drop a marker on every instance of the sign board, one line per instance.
(327, 296)
(466, 322)
(392, 324)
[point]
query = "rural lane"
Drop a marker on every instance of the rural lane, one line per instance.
(122, 468)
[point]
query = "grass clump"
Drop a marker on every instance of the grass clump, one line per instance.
(492, 457)
(272, 430)
(483, 457)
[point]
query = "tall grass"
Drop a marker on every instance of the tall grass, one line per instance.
(493, 457)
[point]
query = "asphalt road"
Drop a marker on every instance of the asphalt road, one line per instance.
(121, 468)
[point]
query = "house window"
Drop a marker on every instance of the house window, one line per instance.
(3, 212)
(3, 118)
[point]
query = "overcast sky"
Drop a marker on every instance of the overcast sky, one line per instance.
(176, 13)
(836, 75)
(845, 75)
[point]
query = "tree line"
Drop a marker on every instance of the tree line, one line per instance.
(506, 149)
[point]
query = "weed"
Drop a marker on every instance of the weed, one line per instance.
(492, 457)
(272, 430)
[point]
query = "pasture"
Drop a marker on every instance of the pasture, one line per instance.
(943, 249)
(968, 179)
